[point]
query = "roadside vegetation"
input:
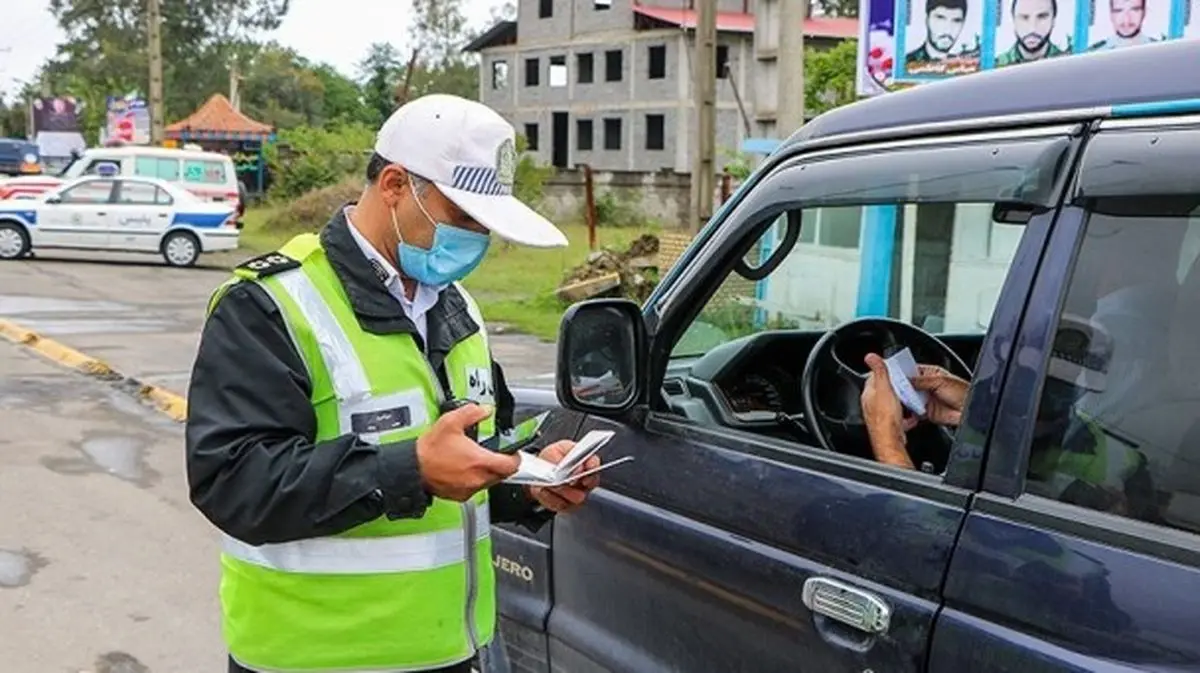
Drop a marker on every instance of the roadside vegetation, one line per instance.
(514, 285)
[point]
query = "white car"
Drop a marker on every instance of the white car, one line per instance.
(129, 214)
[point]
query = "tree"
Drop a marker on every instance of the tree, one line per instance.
(840, 8)
(439, 32)
(104, 52)
(343, 99)
(281, 89)
(829, 76)
(379, 72)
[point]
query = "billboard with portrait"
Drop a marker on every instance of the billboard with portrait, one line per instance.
(935, 39)
(938, 38)
(876, 47)
(1113, 24)
(1189, 22)
(1032, 30)
(58, 115)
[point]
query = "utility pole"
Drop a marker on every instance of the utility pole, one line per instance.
(790, 112)
(704, 92)
(235, 78)
(154, 34)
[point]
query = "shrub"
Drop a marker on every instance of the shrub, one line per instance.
(317, 157)
(311, 211)
(529, 180)
(618, 211)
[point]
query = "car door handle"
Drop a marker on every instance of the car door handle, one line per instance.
(101, 213)
(849, 605)
(163, 215)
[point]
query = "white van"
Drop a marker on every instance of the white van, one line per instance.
(209, 175)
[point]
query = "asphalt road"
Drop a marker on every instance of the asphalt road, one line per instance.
(105, 567)
(144, 318)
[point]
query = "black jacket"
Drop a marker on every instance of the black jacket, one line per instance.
(253, 466)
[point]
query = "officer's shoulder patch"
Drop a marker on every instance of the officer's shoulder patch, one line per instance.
(265, 265)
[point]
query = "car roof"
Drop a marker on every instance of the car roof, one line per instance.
(166, 152)
(1089, 85)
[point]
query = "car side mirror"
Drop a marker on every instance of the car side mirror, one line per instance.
(601, 356)
(54, 199)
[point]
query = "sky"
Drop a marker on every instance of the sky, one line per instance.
(339, 37)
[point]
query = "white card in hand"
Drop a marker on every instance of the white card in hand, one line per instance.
(535, 471)
(901, 367)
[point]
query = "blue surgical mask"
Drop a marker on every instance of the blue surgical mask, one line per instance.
(455, 252)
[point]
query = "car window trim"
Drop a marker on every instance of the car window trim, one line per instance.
(716, 244)
(1163, 542)
(969, 474)
(815, 459)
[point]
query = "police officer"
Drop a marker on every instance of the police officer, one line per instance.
(340, 386)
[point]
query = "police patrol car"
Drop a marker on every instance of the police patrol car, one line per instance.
(121, 213)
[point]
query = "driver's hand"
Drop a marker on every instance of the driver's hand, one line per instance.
(947, 394)
(884, 416)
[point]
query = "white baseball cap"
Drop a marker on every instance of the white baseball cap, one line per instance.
(470, 152)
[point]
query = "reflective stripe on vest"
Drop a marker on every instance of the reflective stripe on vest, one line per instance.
(363, 555)
(346, 372)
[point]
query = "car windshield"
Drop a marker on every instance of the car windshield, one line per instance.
(939, 267)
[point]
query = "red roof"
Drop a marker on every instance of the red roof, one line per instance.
(218, 115)
(737, 22)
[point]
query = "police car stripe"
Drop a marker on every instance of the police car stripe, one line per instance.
(480, 180)
(362, 556)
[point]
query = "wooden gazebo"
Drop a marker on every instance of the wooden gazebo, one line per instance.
(218, 126)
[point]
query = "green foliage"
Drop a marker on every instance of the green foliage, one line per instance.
(530, 177)
(844, 8)
(104, 48)
(829, 76)
(737, 164)
(312, 210)
(380, 72)
(308, 158)
(619, 211)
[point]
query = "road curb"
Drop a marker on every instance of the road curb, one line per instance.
(172, 405)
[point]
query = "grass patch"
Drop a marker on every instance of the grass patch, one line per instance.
(515, 285)
(255, 236)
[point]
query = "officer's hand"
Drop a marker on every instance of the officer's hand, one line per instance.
(563, 499)
(452, 465)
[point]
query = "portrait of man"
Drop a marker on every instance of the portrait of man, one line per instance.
(950, 42)
(1132, 22)
(1034, 24)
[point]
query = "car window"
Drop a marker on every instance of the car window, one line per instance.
(907, 234)
(138, 193)
(157, 167)
(204, 172)
(947, 263)
(92, 191)
(1118, 422)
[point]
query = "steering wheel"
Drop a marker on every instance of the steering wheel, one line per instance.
(834, 376)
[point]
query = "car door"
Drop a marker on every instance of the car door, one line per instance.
(733, 543)
(141, 214)
(79, 216)
(1082, 553)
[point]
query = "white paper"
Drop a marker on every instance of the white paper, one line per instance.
(901, 368)
(535, 471)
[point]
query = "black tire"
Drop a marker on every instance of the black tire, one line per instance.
(13, 247)
(180, 249)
